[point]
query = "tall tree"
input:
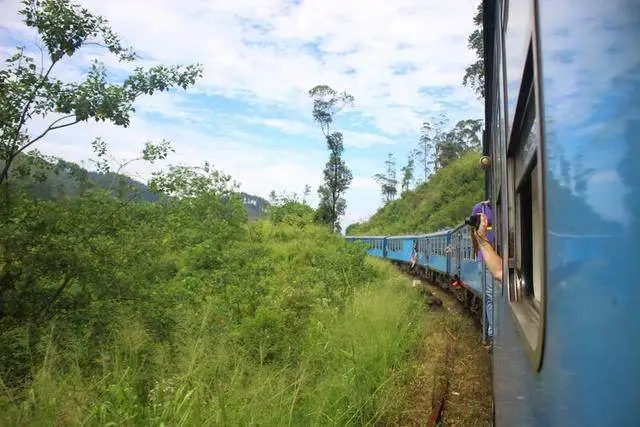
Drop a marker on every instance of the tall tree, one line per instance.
(337, 176)
(28, 88)
(387, 180)
(430, 135)
(474, 73)
(407, 171)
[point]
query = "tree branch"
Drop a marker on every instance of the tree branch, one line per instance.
(30, 100)
(13, 148)
(49, 129)
(117, 173)
(5, 171)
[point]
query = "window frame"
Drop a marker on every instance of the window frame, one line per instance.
(528, 315)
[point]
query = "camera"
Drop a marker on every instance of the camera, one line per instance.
(473, 221)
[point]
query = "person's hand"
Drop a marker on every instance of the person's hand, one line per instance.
(481, 232)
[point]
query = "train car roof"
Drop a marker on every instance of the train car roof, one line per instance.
(458, 228)
(407, 236)
(439, 233)
(412, 236)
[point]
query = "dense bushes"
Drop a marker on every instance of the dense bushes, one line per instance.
(181, 311)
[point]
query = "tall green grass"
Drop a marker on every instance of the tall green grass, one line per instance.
(352, 367)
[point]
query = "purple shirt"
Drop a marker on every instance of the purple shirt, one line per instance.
(485, 208)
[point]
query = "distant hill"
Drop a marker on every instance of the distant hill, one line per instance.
(63, 181)
(444, 201)
(256, 206)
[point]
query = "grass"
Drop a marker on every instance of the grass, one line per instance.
(354, 369)
(374, 363)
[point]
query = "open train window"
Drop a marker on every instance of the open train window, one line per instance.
(526, 218)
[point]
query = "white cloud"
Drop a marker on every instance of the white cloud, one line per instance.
(287, 126)
(270, 53)
(364, 182)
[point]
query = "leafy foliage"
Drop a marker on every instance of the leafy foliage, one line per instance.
(437, 146)
(430, 135)
(337, 176)
(407, 172)
(28, 90)
(289, 210)
(444, 201)
(474, 73)
(387, 180)
(454, 143)
(147, 312)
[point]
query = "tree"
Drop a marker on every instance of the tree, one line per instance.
(337, 177)
(474, 73)
(28, 89)
(430, 135)
(387, 180)
(454, 143)
(407, 172)
(287, 208)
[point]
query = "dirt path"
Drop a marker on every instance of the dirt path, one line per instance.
(468, 402)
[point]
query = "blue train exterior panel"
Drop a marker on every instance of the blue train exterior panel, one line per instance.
(588, 91)
(437, 250)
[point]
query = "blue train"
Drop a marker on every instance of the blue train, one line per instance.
(562, 123)
(445, 258)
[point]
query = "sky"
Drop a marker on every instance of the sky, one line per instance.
(250, 114)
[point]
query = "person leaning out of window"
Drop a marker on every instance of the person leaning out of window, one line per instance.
(491, 258)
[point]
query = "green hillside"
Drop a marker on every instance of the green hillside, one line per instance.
(52, 178)
(443, 201)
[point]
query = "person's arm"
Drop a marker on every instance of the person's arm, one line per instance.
(491, 258)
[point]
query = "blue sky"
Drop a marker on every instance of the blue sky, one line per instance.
(250, 115)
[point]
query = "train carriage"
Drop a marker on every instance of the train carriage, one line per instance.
(437, 244)
(562, 112)
(401, 248)
(376, 245)
(463, 264)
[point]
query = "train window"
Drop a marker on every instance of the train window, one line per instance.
(525, 218)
